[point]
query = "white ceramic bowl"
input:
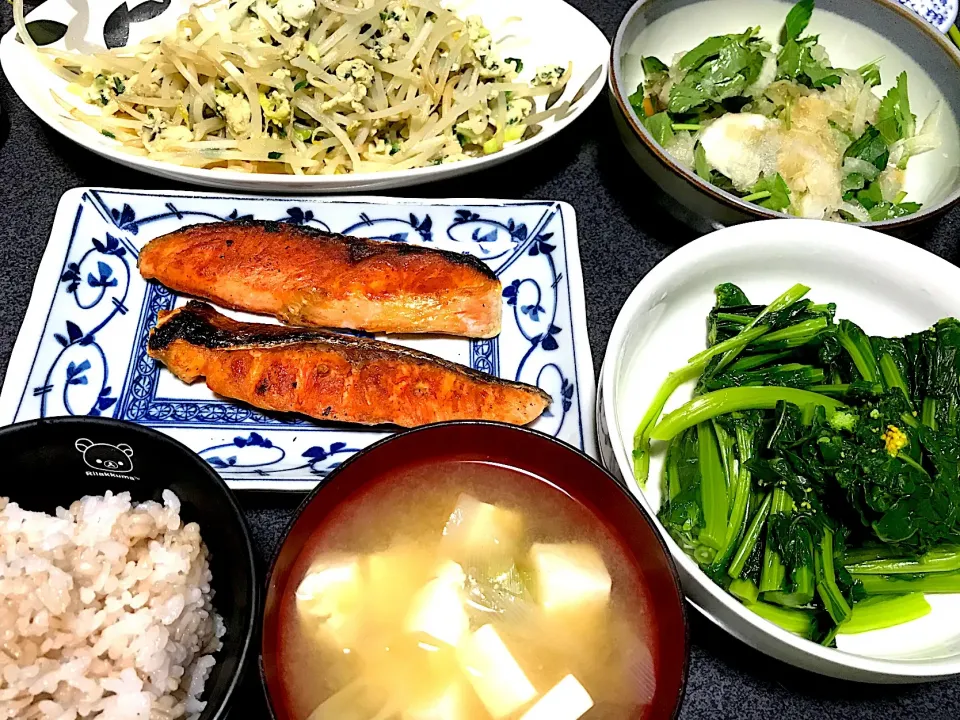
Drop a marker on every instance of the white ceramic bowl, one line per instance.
(540, 32)
(853, 32)
(887, 286)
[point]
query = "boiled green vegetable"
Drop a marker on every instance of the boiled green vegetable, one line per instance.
(815, 465)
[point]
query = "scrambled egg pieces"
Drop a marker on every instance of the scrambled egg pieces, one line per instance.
(235, 110)
(159, 135)
(303, 71)
(894, 439)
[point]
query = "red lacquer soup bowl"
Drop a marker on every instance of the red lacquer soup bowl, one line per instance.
(572, 513)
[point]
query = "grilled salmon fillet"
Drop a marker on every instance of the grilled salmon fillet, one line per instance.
(309, 278)
(330, 376)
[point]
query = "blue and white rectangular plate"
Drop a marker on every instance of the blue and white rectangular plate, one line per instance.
(82, 347)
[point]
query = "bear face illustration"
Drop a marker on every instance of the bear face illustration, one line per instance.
(100, 456)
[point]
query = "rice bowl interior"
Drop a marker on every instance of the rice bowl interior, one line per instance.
(105, 610)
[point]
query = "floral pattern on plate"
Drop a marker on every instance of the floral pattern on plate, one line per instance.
(82, 347)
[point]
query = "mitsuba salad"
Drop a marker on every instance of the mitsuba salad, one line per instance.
(783, 128)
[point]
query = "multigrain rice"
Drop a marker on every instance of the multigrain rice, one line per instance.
(105, 612)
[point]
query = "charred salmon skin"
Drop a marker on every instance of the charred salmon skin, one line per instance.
(309, 278)
(330, 376)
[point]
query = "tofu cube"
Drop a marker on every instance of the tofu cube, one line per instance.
(481, 532)
(567, 700)
(495, 675)
(437, 610)
(330, 595)
(569, 576)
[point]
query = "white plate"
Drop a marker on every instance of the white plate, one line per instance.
(888, 287)
(82, 347)
(548, 32)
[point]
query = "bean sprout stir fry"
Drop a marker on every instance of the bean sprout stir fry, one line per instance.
(308, 87)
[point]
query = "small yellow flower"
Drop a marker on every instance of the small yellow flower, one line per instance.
(895, 440)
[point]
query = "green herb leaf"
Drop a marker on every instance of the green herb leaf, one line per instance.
(870, 147)
(870, 196)
(870, 73)
(700, 164)
(661, 127)
(300, 85)
(888, 210)
(118, 85)
(274, 155)
(686, 97)
(705, 50)
(108, 134)
(394, 148)
(820, 73)
(517, 62)
(720, 68)
(653, 65)
(853, 181)
(789, 61)
(798, 18)
(894, 120)
(775, 192)
(795, 62)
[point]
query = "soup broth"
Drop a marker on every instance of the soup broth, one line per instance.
(464, 591)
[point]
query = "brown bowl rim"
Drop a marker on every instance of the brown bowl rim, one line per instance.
(926, 213)
(559, 444)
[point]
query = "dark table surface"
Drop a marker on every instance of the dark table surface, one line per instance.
(622, 236)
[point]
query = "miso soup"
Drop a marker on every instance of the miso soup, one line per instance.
(464, 591)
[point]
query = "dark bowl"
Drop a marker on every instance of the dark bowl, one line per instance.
(850, 30)
(534, 454)
(44, 467)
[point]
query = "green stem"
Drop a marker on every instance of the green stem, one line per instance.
(946, 582)
(713, 489)
(857, 345)
(695, 366)
(876, 613)
(686, 126)
(788, 298)
(794, 335)
(892, 377)
(913, 463)
(762, 195)
(754, 361)
(798, 622)
(720, 402)
(740, 491)
(928, 413)
(734, 318)
(727, 458)
(853, 556)
(773, 574)
(827, 588)
(909, 420)
(641, 439)
(802, 594)
(737, 342)
(939, 559)
(744, 590)
(751, 537)
(833, 390)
